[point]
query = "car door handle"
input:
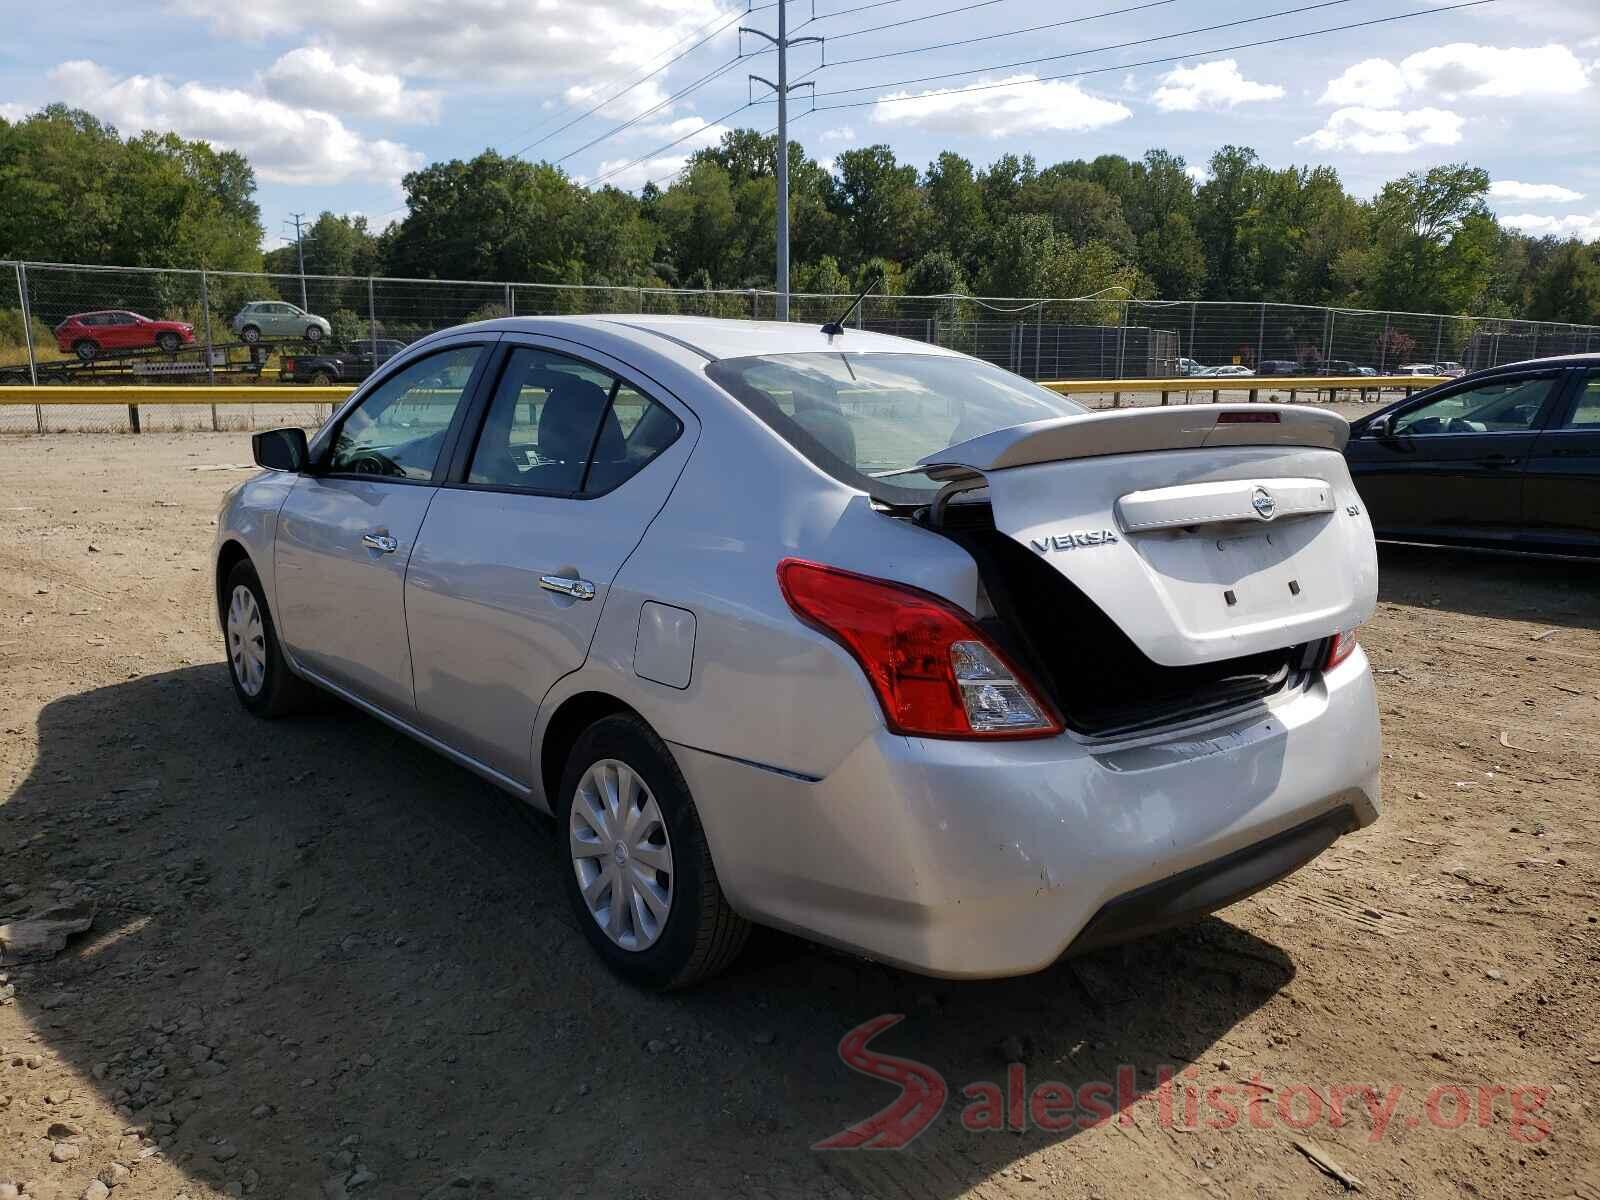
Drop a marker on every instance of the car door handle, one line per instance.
(578, 589)
(381, 542)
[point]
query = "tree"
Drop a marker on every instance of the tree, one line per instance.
(878, 203)
(1171, 255)
(1567, 288)
(1433, 240)
(955, 204)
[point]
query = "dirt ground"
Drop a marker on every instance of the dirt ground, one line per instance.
(325, 962)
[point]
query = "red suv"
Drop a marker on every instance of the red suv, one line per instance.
(87, 334)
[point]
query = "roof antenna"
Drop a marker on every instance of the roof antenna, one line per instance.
(835, 328)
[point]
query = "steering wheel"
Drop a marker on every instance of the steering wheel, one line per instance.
(371, 462)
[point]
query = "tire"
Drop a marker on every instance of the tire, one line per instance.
(169, 342)
(321, 378)
(313, 334)
(250, 335)
(700, 934)
(275, 691)
(86, 349)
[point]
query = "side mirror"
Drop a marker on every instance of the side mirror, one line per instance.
(1378, 427)
(281, 450)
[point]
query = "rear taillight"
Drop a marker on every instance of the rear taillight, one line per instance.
(1339, 647)
(935, 673)
(287, 366)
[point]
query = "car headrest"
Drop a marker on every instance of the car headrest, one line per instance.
(567, 420)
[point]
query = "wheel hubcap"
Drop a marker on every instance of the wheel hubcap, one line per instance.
(621, 854)
(247, 641)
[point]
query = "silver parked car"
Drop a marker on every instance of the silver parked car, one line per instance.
(278, 319)
(849, 635)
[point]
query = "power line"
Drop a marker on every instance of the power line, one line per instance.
(989, 37)
(642, 79)
(1028, 62)
(1150, 62)
(675, 142)
(917, 20)
(714, 73)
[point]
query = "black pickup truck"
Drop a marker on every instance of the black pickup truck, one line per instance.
(354, 362)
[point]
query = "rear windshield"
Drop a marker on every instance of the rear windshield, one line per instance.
(865, 417)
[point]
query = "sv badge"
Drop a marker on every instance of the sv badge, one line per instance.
(1071, 541)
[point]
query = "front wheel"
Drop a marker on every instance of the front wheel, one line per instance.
(640, 880)
(250, 335)
(261, 678)
(313, 333)
(168, 342)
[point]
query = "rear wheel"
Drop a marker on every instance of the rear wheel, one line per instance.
(250, 335)
(313, 333)
(261, 678)
(321, 378)
(169, 342)
(640, 878)
(86, 349)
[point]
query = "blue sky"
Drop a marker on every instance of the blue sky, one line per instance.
(334, 102)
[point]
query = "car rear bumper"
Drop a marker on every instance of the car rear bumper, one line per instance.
(968, 859)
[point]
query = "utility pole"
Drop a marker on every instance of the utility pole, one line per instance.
(300, 252)
(782, 88)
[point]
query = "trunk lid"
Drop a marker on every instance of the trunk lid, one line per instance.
(1204, 534)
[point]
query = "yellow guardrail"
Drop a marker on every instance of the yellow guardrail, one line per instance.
(170, 394)
(1249, 383)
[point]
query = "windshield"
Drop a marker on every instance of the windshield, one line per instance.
(865, 417)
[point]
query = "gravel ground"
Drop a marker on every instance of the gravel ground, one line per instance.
(324, 962)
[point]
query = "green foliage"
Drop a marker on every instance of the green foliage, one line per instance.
(73, 190)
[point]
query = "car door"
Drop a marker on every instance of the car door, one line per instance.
(1562, 497)
(349, 525)
(575, 457)
(120, 332)
(1450, 465)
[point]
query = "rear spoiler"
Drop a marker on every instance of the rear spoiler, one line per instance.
(1134, 430)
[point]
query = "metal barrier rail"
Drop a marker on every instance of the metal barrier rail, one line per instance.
(171, 394)
(1247, 383)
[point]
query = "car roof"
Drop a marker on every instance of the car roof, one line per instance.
(714, 338)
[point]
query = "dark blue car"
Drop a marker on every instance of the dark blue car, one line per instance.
(1505, 459)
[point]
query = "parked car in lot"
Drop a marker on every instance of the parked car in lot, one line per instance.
(90, 334)
(1453, 370)
(1505, 459)
(280, 319)
(1188, 366)
(828, 630)
(342, 366)
(1226, 369)
(1414, 369)
(1277, 366)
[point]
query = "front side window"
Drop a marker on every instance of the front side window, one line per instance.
(865, 417)
(1505, 406)
(563, 427)
(399, 428)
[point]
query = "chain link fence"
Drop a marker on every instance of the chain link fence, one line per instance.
(72, 324)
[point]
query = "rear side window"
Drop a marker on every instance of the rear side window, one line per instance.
(558, 426)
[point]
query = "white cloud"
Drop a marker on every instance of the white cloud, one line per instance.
(15, 112)
(687, 128)
(657, 170)
(1210, 87)
(495, 41)
(285, 144)
(1018, 105)
(1370, 83)
(1585, 228)
(1385, 131)
(1460, 69)
(1552, 193)
(843, 134)
(313, 78)
(1198, 174)
(648, 96)
(1467, 69)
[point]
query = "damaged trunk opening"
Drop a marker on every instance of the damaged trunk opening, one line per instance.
(1101, 683)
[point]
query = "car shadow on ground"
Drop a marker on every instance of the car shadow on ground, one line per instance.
(1555, 592)
(321, 948)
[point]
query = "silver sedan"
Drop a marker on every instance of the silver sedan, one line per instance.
(829, 631)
